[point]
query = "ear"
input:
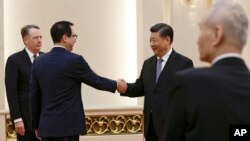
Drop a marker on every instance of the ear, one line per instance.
(167, 40)
(24, 39)
(64, 38)
(218, 35)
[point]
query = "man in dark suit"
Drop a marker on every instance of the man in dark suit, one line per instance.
(155, 85)
(17, 80)
(207, 101)
(56, 103)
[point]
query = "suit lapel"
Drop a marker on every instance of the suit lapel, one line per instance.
(167, 68)
(26, 58)
(26, 63)
(153, 66)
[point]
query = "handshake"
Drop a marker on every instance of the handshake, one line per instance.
(121, 86)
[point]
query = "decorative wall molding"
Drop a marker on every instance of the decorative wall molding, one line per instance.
(105, 121)
(120, 124)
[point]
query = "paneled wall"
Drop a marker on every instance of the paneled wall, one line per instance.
(107, 37)
(185, 16)
(246, 51)
(2, 96)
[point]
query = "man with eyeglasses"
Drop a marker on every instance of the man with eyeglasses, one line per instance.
(56, 107)
(17, 81)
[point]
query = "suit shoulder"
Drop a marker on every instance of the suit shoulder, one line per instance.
(67, 55)
(75, 55)
(16, 56)
(74, 58)
(150, 59)
(197, 73)
(41, 52)
(180, 56)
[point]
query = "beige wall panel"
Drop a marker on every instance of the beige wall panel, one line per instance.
(2, 94)
(2, 85)
(152, 14)
(2, 128)
(185, 19)
(246, 52)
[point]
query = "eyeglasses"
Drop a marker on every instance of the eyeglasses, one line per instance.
(74, 35)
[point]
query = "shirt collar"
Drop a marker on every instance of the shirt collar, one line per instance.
(166, 56)
(226, 55)
(30, 53)
(60, 46)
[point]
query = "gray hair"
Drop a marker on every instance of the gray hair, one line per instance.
(26, 28)
(233, 19)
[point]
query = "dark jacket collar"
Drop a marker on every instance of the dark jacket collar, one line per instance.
(59, 49)
(231, 61)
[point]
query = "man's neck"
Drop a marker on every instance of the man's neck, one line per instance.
(32, 51)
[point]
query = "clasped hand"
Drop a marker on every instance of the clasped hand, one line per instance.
(121, 86)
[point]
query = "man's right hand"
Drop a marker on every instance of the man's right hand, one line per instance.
(19, 127)
(121, 86)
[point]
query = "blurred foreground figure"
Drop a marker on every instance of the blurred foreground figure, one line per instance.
(206, 101)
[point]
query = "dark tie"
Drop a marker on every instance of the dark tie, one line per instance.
(34, 56)
(158, 68)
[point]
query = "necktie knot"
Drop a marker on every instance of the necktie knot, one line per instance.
(34, 57)
(160, 60)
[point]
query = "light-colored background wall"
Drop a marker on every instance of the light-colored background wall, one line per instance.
(107, 37)
(113, 35)
(2, 96)
(246, 51)
(185, 18)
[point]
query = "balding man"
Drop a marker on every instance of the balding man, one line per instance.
(207, 101)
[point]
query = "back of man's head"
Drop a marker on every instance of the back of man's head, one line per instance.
(233, 19)
(59, 29)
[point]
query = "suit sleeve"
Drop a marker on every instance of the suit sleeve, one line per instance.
(11, 82)
(85, 74)
(135, 89)
(35, 99)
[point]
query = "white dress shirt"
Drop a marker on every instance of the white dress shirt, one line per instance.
(226, 55)
(31, 55)
(165, 58)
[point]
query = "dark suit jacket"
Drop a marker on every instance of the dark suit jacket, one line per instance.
(17, 81)
(155, 93)
(207, 100)
(56, 102)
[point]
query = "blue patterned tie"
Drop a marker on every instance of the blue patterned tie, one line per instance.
(158, 68)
